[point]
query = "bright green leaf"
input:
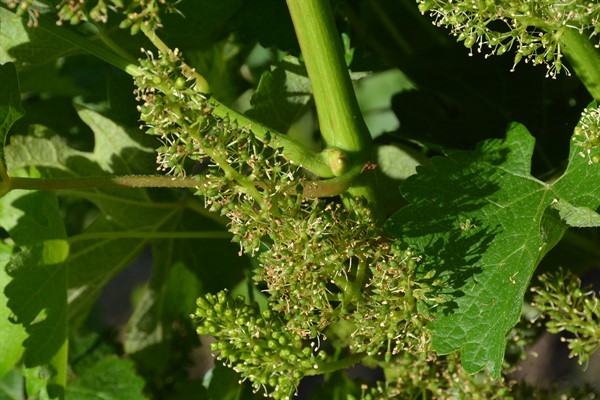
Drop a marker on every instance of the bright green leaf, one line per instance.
(482, 223)
(398, 162)
(579, 217)
(11, 335)
(374, 94)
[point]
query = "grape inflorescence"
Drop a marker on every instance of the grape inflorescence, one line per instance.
(534, 28)
(320, 262)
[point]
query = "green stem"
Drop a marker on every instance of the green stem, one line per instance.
(246, 184)
(311, 189)
(108, 42)
(291, 149)
(584, 59)
(361, 271)
(340, 119)
(331, 187)
(332, 366)
(150, 235)
(134, 181)
(4, 178)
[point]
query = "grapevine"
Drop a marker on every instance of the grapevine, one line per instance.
(419, 275)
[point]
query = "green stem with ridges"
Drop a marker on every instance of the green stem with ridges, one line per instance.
(584, 58)
(150, 235)
(312, 189)
(101, 182)
(340, 118)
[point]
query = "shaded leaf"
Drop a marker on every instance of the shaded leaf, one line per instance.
(29, 47)
(183, 269)
(270, 25)
(225, 385)
(215, 18)
(10, 103)
(282, 96)
(37, 295)
(111, 378)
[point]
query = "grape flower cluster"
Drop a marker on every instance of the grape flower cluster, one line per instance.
(533, 27)
(137, 13)
(571, 308)
(587, 135)
(320, 262)
(255, 344)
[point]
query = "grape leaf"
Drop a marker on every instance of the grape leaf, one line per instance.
(29, 47)
(127, 220)
(225, 385)
(10, 103)
(374, 94)
(111, 378)
(37, 292)
(215, 18)
(11, 335)
(482, 224)
(12, 386)
(183, 269)
(92, 261)
(270, 25)
(282, 96)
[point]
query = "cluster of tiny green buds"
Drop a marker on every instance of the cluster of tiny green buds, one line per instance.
(533, 27)
(570, 308)
(386, 320)
(256, 344)
(24, 6)
(172, 108)
(76, 11)
(316, 264)
(426, 375)
(146, 13)
(587, 135)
